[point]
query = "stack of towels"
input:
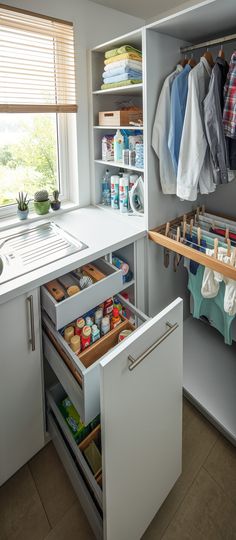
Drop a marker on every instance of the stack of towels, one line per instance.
(123, 66)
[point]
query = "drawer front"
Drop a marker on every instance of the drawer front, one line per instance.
(85, 398)
(62, 313)
(54, 396)
(78, 483)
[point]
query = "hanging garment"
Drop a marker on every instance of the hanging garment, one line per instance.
(213, 105)
(229, 114)
(160, 135)
(195, 168)
(179, 94)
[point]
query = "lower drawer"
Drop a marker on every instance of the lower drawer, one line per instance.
(82, 492)
(54, 396)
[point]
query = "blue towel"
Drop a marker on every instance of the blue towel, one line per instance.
(120, 71)
(124, 77)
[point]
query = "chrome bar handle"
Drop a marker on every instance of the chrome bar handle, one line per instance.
(31, 305)
(135, 361)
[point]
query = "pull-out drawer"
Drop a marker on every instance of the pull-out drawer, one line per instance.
(61, 313)
(140, 385)
(86, 498)
(54, 397)
(79, 375)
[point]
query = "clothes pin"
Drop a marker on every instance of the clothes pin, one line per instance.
(166, 251)
(184, 227)
(226, 234)
(199, 236)
(233, 258)
(216, 243)
(228, 247)
(177, 256)
(191, 228)
(203, 210)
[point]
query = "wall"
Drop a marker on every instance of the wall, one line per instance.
(93, 24)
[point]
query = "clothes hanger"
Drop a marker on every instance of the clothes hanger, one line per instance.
(221, 53)
(207, 54)
(183, 61)
(192, 62)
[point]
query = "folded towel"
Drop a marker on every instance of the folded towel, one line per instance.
(133, 64)
(122, 71)
(122, 83)
(124, 56)
(124, 77)
(121, 50)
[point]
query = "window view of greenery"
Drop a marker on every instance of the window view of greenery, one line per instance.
(28, 155)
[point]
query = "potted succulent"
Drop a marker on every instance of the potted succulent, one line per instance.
(41, 202)
(55, 203)
(23, 205)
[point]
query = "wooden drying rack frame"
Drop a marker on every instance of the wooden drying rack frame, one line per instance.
(158, 235)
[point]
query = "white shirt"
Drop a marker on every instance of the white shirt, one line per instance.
(160, 135)
(194, 168)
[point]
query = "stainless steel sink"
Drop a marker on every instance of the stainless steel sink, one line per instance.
(34, 247)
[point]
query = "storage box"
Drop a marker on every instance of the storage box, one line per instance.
(120, 118)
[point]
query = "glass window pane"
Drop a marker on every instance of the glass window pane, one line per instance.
(28, 155)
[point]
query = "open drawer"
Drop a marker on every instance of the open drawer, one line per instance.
(140, 387)
(61, 313)
(54, 396)
(79, 375)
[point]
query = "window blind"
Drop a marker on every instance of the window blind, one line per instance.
(37, 68)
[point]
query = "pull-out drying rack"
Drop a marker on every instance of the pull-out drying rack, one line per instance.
(172, 236)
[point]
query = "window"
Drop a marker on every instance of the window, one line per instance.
(37, 97)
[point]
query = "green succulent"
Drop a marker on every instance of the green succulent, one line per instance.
(55, 195)
(41, 196)
(22, 201)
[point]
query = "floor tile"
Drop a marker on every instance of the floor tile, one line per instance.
(52, 482)
(221, 464)
(73, 526)
(189, 412)
(204, 514)
(22, 516)
(199, 436)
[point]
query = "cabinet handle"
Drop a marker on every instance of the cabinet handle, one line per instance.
(31, 306)
(135, 361)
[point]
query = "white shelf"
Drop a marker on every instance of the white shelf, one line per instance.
(210, 375)
(131, 89)
(139, 128)
(128, 284)
(119, 165)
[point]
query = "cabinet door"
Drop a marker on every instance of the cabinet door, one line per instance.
(141, 417)
(21, 387)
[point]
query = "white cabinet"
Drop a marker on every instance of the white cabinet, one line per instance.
(21, 383)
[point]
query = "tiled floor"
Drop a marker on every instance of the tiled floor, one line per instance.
(38, 503)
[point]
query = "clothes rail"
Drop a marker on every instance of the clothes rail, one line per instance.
(210, 43)
(162, 236)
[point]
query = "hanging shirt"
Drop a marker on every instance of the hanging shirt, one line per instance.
(213, 104)
(179, 94)
(194, 168)
(229, 115)
(160, 135)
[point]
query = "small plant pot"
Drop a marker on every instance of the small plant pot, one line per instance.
(55, 205)
(22, 214)
(42, 207)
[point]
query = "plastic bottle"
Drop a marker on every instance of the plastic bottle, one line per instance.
(98, 317)
(106, 189)
(79, 325)
(118, 146)
(86, 337)
(115, 180)
(88, 321)
(95, 333)
(115, 320)
(105, 325)
(124, 194)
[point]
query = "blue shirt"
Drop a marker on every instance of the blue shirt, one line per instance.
(179, 94)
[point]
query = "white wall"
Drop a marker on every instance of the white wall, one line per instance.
(93, 24)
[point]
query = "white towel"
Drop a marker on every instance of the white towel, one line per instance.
(132, 64)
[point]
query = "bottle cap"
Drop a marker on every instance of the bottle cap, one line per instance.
(115, 312)
(68, 333)
(75, 343)
(80, 323)
(94, 328)
(86, 331)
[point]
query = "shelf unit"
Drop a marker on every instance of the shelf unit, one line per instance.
(107, 100)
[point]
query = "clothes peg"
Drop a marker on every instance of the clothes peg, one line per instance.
(177, 256)
(178, 234)
(216, 243)
(191, 228)
(203, 210)
(226, 234)
(184, 227)
(233, 258)
(199, 235)
(166, 251)
(228, 247)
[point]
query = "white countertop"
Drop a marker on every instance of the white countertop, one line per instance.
(101, 230)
